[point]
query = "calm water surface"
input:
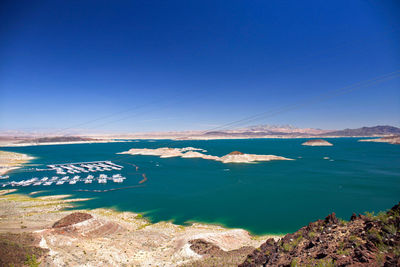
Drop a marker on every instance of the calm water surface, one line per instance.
(266, 197)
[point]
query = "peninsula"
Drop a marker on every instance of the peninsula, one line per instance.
(11, 160)
(394, 140)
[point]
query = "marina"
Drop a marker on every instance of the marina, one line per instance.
(68, 174)
(84, 167)
(45, 181)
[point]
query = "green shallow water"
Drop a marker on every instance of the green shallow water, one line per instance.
(267, 197)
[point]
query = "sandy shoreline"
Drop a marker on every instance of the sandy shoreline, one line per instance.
(58, 143)
(116, 238)
(11, 161)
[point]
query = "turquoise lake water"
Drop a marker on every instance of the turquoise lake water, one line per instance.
(265, 198)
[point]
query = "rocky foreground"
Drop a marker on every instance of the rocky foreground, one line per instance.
(41, 230)
(362, 241)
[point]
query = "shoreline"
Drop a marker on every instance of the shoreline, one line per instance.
(12, 160)
(58, 143)
(176, 138)
(114, 237)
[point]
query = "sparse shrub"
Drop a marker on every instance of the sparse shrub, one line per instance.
(380, 259)
(287, 247)
(370, 215)
(343, 252)
(342, 222)
(311, 234)
(325, 263)
(383, 217)
(294, 263)
(31, 261)
(390, 228)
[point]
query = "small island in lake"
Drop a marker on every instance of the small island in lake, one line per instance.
(317, 142)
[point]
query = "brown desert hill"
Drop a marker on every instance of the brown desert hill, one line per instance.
(363, 241)
(71, 219)
(236, 153)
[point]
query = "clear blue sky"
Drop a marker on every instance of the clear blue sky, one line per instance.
(174, 65)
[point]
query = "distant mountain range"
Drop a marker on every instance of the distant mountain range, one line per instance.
(265, 131)
(258, 131)
(367, 131)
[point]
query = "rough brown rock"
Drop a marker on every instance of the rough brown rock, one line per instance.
(362, 241)
(15, 249)
(71, 219)
(236, 153)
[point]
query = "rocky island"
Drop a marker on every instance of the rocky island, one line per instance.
(190, 152)
(317, 142)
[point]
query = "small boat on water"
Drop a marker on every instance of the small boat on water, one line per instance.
(60, 182)
(44, 179)
(72, 182)
(118, 180)
(48, 183)
(88, 181)
(102, 181)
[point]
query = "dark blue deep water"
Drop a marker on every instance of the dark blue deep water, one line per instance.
(266, 197)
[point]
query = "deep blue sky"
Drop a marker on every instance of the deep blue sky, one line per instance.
(166, 65)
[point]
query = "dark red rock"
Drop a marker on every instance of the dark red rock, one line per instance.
(73, 218)
(344, 261)
(331, 219)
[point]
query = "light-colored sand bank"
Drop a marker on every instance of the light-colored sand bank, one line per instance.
(113, 238)
(394, 140)
(57, 143)
(10, 161)
(318, 142)
(190, 152)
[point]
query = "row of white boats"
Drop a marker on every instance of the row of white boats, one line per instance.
(46, 181)
(82, 167)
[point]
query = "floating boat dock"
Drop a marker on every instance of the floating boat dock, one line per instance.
(66, 169)
(82, 167)
(45, 181)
